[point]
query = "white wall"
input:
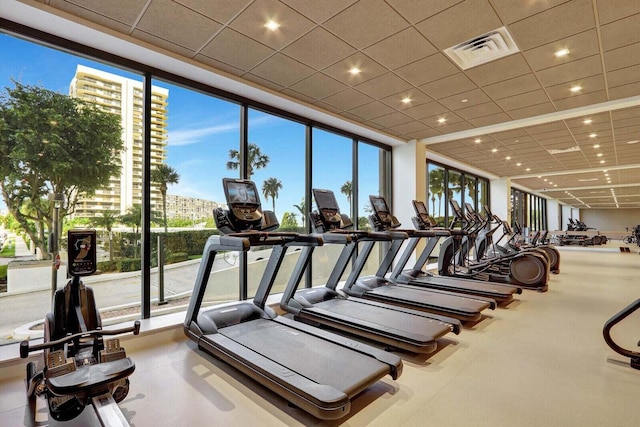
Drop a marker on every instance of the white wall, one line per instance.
(610, 219)
(409, 180)
(553, 215)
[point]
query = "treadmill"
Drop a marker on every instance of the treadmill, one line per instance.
(465, 308)
(295, 360)
(392, 325)
(383, 219)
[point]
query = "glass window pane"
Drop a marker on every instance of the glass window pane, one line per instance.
(199, 133)
(372, 165)
(454, 191)
(436, 199)
(61, 159)
(277, 166)
(332, 170)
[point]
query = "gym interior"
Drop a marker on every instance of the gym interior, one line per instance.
(558, 129)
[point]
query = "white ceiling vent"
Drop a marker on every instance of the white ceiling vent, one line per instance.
(564, 150)
(482, 49)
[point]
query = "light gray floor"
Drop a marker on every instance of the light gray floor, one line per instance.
(539, 362)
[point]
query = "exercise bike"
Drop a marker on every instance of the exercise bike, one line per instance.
(80, 368)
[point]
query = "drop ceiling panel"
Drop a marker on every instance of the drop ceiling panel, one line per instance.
(427, 69)
(448, 86)
(159, 17)
(318, 48)
(580, 45)
(226, 45)
(315, 10)
(282, 70)
(365, 23)
(401, 49)
(556, 23)
(113, 14)
(252, 20)
(621, 33)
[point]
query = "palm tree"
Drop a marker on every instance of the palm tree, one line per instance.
(270, 189)
(256, 160)
(347, 190)
(163, 175)
(106, 220)
(436, 188)
(302, 208)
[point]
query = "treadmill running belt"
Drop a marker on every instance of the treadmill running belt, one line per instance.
(323, 362)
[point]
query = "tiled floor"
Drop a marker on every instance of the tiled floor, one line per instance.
(539, 362)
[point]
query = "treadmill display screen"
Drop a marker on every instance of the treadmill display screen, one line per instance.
(421, 209)
(241, 193)
(326, 200)
(379, 204)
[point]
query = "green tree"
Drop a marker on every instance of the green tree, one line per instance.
(164, 175)
(106, 220)
(256, 160)
(270, 189)
(289, 221)
(347, 190)
(53, 143)
(302, 208)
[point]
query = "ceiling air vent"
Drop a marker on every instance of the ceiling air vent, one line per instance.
(482, 49)
(563, 150)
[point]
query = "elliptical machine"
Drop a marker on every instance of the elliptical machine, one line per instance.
(80, 368)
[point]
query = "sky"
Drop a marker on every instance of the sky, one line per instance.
(202, 129)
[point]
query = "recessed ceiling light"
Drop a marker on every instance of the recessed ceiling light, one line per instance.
(599, 155)
(605, 171)
(272, 25)
(508, 158)
(606, 174)
(545, 180)
(634, 141)
(442, 120)
(406, 100)
(593, 135)
(518, 164)
(575, 89)
(477, 140)
(596, 146)
(601, 161)
(464, 100)
(562, 52)
(494, 150)
(587, 121)
(528, 169)
(355, 70)
(555, 185)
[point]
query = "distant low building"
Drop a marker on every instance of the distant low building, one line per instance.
(181, 207)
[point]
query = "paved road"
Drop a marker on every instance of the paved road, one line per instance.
(111, 290)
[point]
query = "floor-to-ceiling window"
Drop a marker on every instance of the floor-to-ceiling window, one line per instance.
(190, 135)
(332, 169)
(276, 159)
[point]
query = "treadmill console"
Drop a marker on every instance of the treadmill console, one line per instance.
(245, 211)
(382, 219)
(422, 221)
(328, 216)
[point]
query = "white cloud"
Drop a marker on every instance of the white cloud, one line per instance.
(194, 136)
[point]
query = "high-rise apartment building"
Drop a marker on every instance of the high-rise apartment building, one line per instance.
(123, 96)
